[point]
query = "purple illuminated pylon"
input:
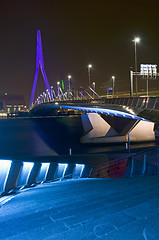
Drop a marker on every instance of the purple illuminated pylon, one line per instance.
(39, 63)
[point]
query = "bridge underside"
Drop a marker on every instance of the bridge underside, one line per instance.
(115, 130)
(118, 111)
(104, 125)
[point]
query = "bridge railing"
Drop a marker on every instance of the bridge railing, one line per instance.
(133, 102)
(144, 163)
(17, 174)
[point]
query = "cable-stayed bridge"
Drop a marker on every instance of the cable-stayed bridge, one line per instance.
(88, 99)
(85, 208)
(139, 111)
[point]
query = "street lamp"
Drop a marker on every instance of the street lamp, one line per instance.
(93, 88)
(113, 79)
(136, 40)
(69, 86)
(89, 74)
(58, 90)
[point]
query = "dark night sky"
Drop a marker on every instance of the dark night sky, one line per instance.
(74, 34)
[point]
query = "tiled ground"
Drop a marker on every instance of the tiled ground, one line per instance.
(95, 209)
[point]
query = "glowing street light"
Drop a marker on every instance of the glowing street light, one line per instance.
(58, 89)
(69, 82)
(93, 88)
(136, 40)
(89, 74)
(113, 79)
(69, 86)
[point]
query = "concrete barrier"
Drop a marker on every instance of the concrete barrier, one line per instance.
(15, 175)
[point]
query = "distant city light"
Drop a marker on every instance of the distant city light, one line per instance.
(6, 93)
(90, 66)
(69, 76)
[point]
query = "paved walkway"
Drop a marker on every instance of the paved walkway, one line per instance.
(95, 209)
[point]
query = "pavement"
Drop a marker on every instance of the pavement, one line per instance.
(95, 209)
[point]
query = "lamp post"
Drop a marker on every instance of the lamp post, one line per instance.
(69, 86)
(93, 88)
(113, 79)
(58, 90)
(89, 74)
(136, 40)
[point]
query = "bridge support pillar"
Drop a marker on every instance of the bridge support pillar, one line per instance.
(99, 130)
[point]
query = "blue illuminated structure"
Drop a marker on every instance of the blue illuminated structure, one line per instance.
(78, 170)
(4, 171)
(15, 174)
(111, 112)
(39, 63)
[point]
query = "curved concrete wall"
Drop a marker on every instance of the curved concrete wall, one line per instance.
(15, 175)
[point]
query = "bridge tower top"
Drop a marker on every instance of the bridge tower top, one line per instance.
(39, 63)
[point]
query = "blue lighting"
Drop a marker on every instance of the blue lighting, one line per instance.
(61, 169)
(78, 170)
(4, 171)
(25, 173)
(43, 172)
(101, 111)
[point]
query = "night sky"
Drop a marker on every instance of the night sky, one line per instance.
(74, 34)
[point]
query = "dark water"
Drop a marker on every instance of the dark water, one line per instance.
(47, 136)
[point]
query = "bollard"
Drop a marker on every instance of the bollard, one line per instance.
(70, 151)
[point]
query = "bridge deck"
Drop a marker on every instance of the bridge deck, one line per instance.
(133, 107)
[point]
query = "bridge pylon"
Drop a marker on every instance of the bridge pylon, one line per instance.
(39, 64)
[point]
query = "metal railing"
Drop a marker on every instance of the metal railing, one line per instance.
(144, 163)
(133, 102)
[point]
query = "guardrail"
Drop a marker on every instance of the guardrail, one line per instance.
(144, 163)
(15, 175)
(133, 102)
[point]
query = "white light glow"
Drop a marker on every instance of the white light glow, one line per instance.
(25, 173)
(4, 171)
(90, 66)
(43, 171)
(78, 170)
(27, 168)
(65, 167)
(61, 169)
